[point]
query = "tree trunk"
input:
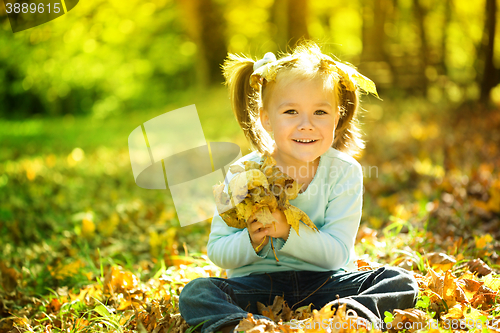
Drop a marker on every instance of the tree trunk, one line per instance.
(489, 72)
(203, 22)
(446, 22)
(297, 21)
(289, 18)
(420, 13)
(374, 36)
(375, 61)
(279, 20)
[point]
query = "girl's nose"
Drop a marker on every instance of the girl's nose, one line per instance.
(305, 124)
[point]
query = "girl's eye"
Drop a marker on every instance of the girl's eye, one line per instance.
(317, 112)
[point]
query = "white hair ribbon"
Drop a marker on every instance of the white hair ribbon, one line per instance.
(268, 57)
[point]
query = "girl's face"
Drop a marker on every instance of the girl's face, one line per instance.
(302, 115)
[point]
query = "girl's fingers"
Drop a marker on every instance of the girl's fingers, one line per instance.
(260, 242)
(257, 231)
(255, 225)
(261, 232)
(258, 235)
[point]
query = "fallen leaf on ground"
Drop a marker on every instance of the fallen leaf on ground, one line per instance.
(279, 310)
(440, 261)
(252, 325)
(480, 267)
(409, 319)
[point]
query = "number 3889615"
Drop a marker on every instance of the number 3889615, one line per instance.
(32, 8)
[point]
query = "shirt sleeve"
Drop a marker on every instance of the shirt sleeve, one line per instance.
(330, 248)
(230, 247)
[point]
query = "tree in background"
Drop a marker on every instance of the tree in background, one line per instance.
(375, 61)
(490, 74)
(424, 54)
(204, 23)
(289, 17)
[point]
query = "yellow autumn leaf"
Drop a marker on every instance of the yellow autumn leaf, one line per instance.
(232, 220)
(351, 78)
(440, 261)
(482, 241)
(264, 216)
(251, 165)
(119, 280)
(455, 312)
(415, 316)
(236, 169)
(449, 287)
(222, 199)
(244, 209)
(472, 315)
(469, 286)
(65, 270)
(154, 243)
(88, 227)
(294, 215)
(247, 180)
(492, 282)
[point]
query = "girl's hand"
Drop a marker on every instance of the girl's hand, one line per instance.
(258, 233)
(282, 229)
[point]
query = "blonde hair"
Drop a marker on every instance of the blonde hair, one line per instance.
(247, 89)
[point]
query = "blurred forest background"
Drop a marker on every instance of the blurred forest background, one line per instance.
(106, 58)
(73, 89)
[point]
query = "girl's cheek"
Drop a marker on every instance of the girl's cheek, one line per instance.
(289, 123)
(327, 124)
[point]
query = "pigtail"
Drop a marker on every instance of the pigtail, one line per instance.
(347, 133)
(245, 100)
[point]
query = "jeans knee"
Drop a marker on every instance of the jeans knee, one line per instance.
(402, 278)
(192, 290)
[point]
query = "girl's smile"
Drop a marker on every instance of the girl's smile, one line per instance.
(302, 115)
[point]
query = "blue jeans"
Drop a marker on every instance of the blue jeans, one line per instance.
(217, 302)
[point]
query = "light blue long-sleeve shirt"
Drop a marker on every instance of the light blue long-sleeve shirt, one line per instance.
(333, 201)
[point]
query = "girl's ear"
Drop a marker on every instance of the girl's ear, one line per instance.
(264, 119)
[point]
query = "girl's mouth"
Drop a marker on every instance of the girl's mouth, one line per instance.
(304, 141)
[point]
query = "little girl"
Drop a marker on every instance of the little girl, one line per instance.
(302, 109)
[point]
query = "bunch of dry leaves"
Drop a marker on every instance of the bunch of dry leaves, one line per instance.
(256, 191)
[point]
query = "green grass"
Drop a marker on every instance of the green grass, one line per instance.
(45, 194)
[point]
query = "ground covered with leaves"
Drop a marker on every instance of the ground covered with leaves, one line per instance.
(85, 249)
